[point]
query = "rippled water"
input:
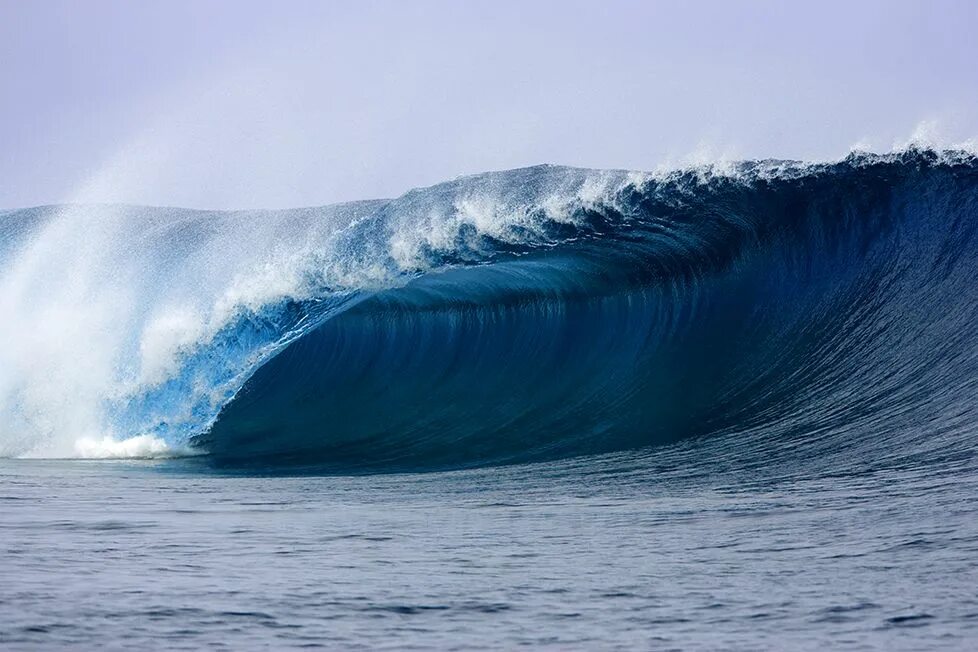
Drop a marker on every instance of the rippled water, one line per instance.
(639, 550)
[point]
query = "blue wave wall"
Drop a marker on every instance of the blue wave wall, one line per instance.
(786, 302)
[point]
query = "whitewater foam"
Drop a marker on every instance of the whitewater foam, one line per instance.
(141, 447)
(103, 304)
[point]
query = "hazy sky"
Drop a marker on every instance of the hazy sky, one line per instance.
(214, 103)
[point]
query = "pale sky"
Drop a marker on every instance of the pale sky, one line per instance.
(237, 103)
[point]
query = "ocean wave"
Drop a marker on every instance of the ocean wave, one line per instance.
(505, 317)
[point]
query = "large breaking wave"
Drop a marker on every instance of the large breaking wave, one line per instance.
(512, 316)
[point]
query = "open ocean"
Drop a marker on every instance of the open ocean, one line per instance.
(594, 553)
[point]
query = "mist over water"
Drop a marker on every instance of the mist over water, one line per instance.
(108, 303)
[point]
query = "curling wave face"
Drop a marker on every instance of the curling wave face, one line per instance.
(513, 316)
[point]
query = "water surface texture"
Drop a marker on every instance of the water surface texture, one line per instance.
(596, 553)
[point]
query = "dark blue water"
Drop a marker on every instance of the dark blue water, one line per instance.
(717, 408)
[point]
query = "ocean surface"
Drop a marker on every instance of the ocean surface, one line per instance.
(728, 406)
(616, 552)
